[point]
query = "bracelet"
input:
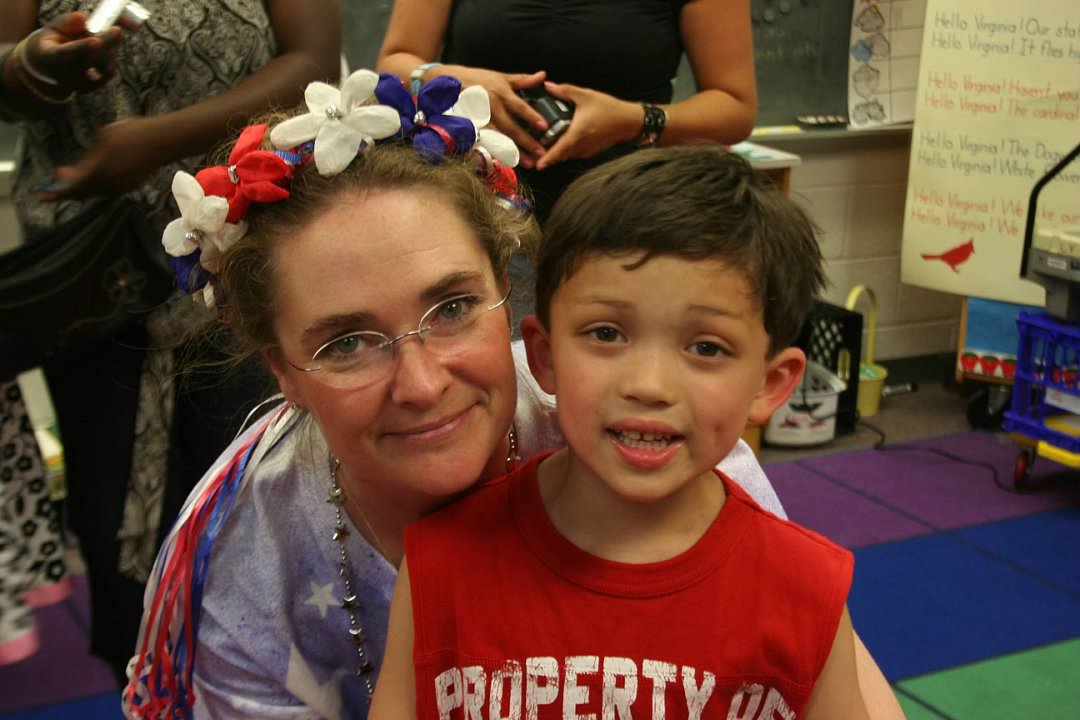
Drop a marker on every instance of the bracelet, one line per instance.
(17, 58)
(653, 125)
(30, 69)
(416, 77)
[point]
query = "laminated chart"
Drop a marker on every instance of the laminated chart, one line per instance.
(998, 105)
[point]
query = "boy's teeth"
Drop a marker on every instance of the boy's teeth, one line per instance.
(645, 441)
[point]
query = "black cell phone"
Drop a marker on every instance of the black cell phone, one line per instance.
(556, 113)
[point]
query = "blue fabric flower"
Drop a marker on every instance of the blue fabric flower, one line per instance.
(190, 275)
(424, 121)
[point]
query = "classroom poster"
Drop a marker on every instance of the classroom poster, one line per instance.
(998, 105)
(883, 64)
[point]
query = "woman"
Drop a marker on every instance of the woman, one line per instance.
(612, 60)
(376, 293)
(121, 113)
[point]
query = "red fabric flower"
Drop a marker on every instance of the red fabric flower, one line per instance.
(252, 175)
(502, 179)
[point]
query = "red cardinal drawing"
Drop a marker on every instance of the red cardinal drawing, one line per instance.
(955, 256)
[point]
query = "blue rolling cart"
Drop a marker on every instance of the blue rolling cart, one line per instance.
(1045, 413)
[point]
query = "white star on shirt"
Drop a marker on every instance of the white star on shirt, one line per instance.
(322, 597)
(323, 698)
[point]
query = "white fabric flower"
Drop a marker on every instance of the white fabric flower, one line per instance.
(339, 121)
(215, 244)
(475, 105)
(201, 223)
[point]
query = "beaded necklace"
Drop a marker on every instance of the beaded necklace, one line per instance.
(349, 602)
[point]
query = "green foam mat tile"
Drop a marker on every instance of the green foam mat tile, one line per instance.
(1036, 683)
(915, 710)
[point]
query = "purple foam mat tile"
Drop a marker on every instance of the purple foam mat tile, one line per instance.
(62, 669)
(1001, 451)
(843, 516)
(941, 491)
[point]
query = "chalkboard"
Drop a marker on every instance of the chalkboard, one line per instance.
(800, 59)
(364, 23)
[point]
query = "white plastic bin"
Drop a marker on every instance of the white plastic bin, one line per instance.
(809, 415)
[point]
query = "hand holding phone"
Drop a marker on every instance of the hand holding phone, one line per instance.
(555, 111)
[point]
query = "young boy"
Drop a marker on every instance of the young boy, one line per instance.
(625, 577)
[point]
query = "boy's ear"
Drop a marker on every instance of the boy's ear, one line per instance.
(279, 368)
(782, 374)
(538, 351)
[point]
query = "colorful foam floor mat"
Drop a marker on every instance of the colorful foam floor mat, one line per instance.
(966, 592)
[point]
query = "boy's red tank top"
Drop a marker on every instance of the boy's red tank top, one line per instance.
(513, 621)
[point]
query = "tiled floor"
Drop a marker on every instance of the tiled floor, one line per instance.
(967, 593)
(62, 680)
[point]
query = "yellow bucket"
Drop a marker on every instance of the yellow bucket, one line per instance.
(871, 375)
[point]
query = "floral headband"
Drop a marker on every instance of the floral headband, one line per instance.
(442, 120)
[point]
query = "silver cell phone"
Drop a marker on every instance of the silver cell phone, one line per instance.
(127, 14)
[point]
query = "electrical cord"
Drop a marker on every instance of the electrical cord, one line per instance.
(880, 446)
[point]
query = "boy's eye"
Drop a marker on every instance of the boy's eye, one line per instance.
(707, 349)
(604, 334)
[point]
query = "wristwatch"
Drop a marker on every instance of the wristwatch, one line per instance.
(653, 126)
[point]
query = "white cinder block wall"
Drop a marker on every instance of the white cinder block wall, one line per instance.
(856, 195)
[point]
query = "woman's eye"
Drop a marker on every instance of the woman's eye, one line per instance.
(708, 349)
(455, 309)
(344, 346)
(349, 346)
(604, 334)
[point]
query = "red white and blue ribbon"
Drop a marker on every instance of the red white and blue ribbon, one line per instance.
(161, 682)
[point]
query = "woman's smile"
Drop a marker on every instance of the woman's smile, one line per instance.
(434, 431)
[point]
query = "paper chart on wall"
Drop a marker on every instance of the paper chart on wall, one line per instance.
(883, 63)
(998, 105)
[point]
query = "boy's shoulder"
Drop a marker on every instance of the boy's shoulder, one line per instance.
(786, 549)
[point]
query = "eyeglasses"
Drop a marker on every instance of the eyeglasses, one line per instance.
(365, 357)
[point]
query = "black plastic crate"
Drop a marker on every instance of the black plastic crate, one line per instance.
(832, 337)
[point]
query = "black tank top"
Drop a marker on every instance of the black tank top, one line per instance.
(626, 48)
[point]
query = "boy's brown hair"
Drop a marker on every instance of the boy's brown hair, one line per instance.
(695, 202)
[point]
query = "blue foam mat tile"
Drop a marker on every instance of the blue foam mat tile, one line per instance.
(99, 707)
(1047, 544)
(930, 603)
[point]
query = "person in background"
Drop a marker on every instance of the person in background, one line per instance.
(121, 112)
(33, 569)
(376, 292)
(615, 61)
